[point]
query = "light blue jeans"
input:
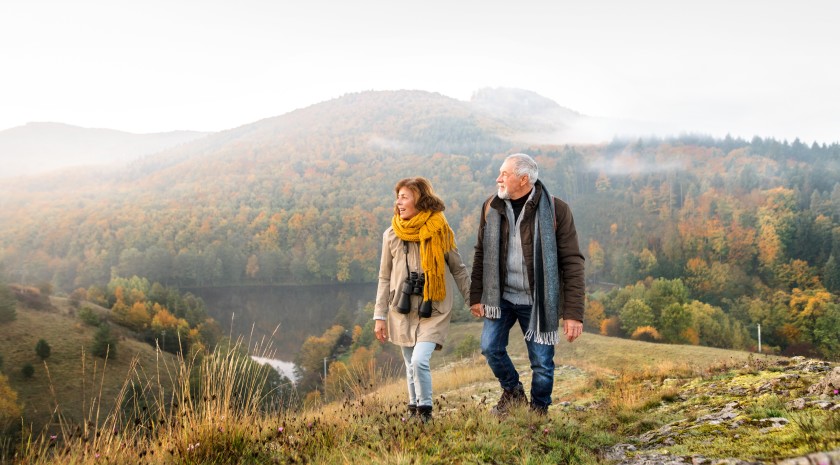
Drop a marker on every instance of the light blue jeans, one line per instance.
(418, 375)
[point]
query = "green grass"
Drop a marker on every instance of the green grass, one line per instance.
(70, 379)
(619, 391)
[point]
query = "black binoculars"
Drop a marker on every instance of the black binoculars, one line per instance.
(413, 285)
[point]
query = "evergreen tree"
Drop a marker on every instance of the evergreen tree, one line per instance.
(825, 332)
(104, 344)
(43, 349)
(831, 274)
(28, 370)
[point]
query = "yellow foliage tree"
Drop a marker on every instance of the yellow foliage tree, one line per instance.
(338, 378)
(596, 259)
(357, 333)
(690, 335)
(806, 307)
(313, 399)
(611, 327)
(137, 317)
(172, 330)
(593, 315)
(10, 411)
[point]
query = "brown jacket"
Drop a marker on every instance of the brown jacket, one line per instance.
(569, 257)
(408, 329)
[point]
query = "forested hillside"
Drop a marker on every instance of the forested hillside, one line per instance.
(735, 233)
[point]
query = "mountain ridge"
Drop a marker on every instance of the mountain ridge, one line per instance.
(493, 117)
(39, 147)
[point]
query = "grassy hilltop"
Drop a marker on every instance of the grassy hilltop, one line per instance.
(615, 401)
(70, 379)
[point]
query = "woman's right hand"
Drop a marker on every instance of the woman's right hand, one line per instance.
(380, 329)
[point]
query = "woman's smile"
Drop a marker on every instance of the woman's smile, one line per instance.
(406, 203)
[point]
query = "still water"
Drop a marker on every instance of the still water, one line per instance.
(284, 316)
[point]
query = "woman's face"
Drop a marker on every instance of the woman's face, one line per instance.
(406, 200)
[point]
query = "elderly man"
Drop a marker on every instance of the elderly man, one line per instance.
(527, 268)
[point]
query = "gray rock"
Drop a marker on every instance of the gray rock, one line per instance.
(828, 384)
(797, 404)
(774, 422)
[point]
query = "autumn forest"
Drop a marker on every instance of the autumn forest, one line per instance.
(688, 239)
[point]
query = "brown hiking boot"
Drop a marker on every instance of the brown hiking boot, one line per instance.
(510, 398)
(541, 410)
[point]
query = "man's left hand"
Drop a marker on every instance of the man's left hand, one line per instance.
(572, 329)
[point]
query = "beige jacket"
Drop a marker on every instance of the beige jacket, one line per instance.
(408, 329)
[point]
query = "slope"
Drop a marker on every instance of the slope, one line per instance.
(70, 381)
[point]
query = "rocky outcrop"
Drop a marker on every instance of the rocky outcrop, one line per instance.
(731, 414)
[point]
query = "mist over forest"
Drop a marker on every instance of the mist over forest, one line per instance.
(699, 239)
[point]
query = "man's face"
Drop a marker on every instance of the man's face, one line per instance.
(510, 185)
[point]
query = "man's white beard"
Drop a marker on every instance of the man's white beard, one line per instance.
(503, 193)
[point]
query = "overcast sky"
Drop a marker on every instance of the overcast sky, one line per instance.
(768, 68)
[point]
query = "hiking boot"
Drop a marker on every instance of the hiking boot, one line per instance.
(541, 410)
(425, 413)
(412, 411)
(510, 398)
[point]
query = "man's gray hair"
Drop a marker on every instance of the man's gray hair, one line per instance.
(524, 165)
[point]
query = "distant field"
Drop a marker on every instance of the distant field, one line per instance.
(615, 354)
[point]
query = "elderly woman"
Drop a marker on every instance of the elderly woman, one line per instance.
(414, 298)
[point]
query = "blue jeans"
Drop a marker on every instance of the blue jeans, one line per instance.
(494, 341)
(418, 375)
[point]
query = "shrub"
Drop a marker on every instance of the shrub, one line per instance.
(646, 333)
(104, 344)
(43, 349)
(77, 296)
(31, 297)
(89, 317)
(45, 288)
(28, 370)
(467, 347)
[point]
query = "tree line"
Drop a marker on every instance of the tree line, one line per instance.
(742, 224)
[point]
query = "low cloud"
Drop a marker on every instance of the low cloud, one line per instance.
(629, 164)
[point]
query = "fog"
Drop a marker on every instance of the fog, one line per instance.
(746, 68)
(41, 147)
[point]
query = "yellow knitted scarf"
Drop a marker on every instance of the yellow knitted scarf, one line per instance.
(435, 236)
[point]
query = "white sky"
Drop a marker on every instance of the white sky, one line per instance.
(769, 68)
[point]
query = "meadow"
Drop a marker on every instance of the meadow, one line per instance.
(614, 400)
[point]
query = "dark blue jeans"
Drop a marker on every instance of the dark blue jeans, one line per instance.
(494, 341)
